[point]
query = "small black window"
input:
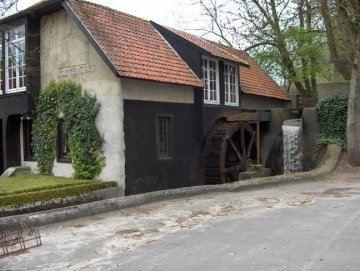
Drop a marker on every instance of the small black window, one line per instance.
(164, 136)
(27, 134)
(63, 143)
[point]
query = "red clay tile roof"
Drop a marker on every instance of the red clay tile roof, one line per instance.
(137, 50)
(133, 46)
(209, 46)
(253, 79)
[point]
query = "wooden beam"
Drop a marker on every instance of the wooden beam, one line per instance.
(244, 116)
(258, 143)
(250, 116)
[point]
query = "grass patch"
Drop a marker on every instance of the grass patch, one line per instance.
(20, 190)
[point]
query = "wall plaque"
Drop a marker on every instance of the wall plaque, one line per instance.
(76, 69)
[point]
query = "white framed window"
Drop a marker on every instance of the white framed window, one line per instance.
(15, 60)
(231, 84)
(210, 71)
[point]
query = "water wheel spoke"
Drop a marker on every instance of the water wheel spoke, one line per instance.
(251, 144)
(227, 148)
(242, 139)
(237, 153)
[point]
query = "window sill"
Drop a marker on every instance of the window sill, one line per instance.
(165, 159)
(64, 160)
(233, 105)
(29, 159)
(212, 102)
(13, 91)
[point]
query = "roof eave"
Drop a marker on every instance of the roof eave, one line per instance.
(45, 5)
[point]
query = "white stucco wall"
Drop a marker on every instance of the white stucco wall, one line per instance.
(156, 92)
(64, 45)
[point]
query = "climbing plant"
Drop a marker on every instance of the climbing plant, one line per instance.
(332, 115)
(79, 111)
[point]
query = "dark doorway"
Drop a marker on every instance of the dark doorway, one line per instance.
(13, 141)
(1, 148)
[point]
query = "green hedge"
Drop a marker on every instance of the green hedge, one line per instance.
(47, 187)
(332, 116)
(43, 195)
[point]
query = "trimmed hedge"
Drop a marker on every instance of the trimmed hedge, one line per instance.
(332, 116)
(43, 195)
(48, 187)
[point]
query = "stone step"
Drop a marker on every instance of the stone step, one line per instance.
(261, 172)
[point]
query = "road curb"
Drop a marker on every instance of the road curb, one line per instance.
(327, 164)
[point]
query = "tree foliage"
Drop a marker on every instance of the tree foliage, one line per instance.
(285, 36)
(8, 6)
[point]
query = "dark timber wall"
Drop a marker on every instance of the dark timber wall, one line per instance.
(144, 172)
(13, 106)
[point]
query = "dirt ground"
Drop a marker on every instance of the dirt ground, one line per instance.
(94, 242)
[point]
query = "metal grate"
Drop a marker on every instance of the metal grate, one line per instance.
(16, 241)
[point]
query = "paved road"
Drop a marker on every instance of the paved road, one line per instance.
(304, 226)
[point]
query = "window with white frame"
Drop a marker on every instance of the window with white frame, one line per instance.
(231, 84)
(210, 71)
(14, 62)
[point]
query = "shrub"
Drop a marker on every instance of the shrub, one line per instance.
(80, 111)
(332, 115)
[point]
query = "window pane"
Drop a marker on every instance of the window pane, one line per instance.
(63, 141)
(209, 71)
(164, 137)
(230, 84)
(15, 62)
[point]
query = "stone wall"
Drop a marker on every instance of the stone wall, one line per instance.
(330, 89)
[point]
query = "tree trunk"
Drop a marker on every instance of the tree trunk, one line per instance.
(353, 119)
(337, 59)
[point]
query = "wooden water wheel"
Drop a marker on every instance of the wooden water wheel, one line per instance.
(228, 148)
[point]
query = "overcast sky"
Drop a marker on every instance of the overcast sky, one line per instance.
(174, 13)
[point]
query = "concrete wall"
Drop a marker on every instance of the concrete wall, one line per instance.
(310, 134)
(156, 92)
(330, 89)
(63, 45)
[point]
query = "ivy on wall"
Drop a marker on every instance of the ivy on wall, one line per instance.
(79, 112)
(332, 115)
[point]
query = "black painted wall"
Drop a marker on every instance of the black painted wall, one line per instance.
(1, 147)
(13, 106)
(189, 52)
(144, 172)
(33, 60)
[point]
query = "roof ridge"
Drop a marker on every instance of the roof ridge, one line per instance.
(230, 47)
(110, 9)
(211, 42)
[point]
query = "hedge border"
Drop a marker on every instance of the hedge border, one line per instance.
(23, 198)
(47, 187)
